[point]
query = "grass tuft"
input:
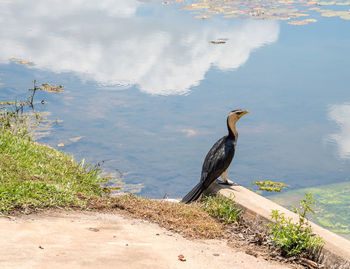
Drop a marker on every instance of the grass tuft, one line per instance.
(222, 208)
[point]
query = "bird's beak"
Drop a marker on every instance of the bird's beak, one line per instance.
(243, 113)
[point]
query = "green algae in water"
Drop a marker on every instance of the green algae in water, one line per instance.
(332, 205)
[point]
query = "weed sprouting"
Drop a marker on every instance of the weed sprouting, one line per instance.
(222, 208)
(20, 116)
(291, 238)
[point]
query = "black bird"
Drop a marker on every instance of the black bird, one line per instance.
(218, 159)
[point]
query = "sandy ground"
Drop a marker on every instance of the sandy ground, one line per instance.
(99, 240)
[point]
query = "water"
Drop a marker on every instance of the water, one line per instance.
(148, 91)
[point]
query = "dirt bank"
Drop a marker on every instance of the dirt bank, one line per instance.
(109, 240)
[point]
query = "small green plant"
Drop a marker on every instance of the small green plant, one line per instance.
(220, 207)
(270, 186)
(20, 117)
(293, 239)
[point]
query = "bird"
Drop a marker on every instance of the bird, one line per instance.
(218, 159)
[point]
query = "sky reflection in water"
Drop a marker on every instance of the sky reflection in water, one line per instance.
(117, 47)
(150, 93)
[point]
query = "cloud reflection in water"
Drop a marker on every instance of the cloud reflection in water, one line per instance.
(341, 115)
(110, 43)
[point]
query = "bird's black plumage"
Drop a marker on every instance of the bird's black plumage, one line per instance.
(218, 158)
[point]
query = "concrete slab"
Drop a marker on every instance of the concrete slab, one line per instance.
(97, 240)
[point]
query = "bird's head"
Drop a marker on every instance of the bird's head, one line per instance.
(232, 118)
(235, 115)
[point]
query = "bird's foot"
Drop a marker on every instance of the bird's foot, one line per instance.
(226, 182)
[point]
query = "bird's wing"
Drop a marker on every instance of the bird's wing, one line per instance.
(217, 160)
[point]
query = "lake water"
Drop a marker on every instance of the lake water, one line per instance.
(148, 86)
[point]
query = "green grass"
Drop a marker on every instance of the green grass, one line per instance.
(222, 208)
(36, 176)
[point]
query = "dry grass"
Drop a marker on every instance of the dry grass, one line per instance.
(190, 220)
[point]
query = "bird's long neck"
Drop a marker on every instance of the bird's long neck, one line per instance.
(231, 126)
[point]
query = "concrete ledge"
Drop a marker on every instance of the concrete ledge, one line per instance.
(336, 251)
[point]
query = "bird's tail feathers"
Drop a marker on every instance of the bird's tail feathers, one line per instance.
(194, 194)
